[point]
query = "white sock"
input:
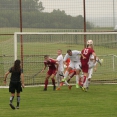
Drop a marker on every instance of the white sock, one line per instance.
(66, 74)
(66, 82)
(88, 82)
(85, 83)
(77, 79)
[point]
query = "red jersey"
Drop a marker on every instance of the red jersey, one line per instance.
(51, 64)
(86, 53)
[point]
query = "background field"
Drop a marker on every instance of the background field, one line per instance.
(99, 101)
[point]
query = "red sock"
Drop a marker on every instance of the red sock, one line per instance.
(46, 83)
(53, 82)
(84, 79)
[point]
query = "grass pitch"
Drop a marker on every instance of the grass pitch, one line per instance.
(99, 101)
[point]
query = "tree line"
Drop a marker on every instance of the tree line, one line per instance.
(34, 17)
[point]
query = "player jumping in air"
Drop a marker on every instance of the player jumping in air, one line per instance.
(53, 68)
(87, 52)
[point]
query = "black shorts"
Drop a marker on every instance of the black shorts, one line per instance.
(15, 86)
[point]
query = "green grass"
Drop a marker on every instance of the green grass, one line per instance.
(99, 101)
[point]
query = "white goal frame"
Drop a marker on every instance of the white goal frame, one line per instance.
(55, 33)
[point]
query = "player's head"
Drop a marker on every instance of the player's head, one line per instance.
(17, 65)
(69, 52)
(46, 57)
(59, 51)
(90, 43)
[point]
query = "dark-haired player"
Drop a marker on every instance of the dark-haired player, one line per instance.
(16, 81)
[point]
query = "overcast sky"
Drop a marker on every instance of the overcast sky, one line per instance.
(98, 8)
(97, 11)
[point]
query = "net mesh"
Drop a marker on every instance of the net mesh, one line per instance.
(35, 46)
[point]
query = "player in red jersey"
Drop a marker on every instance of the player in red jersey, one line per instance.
(86, 52)
(53, 67)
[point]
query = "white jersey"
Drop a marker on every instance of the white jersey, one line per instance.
(60, 62)
(75, 56)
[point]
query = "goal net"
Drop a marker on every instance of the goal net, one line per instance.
(31, 47)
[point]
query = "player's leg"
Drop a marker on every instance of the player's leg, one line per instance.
(12, 90)
(85, 80)
(53, 81)
(66, 73)
(58, 80)
(100, 61)
(71, 75)
(90, 72)
(18, 100)
(85, 76)
(18, 89)
(46, 81)
(78, 69)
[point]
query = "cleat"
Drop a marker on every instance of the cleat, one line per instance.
(11, 105)
(58, 89)
(70, 86)
(61, 84)
(17, 107)
(77, 86)
(84, 89)
(54, 88)
(44, 89)
(68, 80)
(100, 61)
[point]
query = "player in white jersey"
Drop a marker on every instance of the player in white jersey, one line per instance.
(92, 65)
(75, 63)
(60, 68)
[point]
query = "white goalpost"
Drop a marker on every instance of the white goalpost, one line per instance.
(37, 44)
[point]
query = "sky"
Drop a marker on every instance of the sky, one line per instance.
(75, 7)
(94, 8)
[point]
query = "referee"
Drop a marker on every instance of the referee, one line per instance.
(16, 82)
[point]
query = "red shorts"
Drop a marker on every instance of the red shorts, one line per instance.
(51, 71)
(85, 68)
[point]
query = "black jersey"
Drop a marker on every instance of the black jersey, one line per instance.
(15, 76)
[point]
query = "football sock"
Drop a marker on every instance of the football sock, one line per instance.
(18, 100)
(77, 79)
(85, 82)
(11, 99)
(53, 81)
(66, 82)
(46, 83)
(66, 74)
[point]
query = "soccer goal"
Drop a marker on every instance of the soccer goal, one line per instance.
(35, 45)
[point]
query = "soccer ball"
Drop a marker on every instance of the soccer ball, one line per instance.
(89, 42)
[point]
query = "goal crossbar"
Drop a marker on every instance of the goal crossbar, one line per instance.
(66, 33)
(55, 33)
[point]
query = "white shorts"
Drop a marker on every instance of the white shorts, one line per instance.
(90, 72)
(75, 65)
